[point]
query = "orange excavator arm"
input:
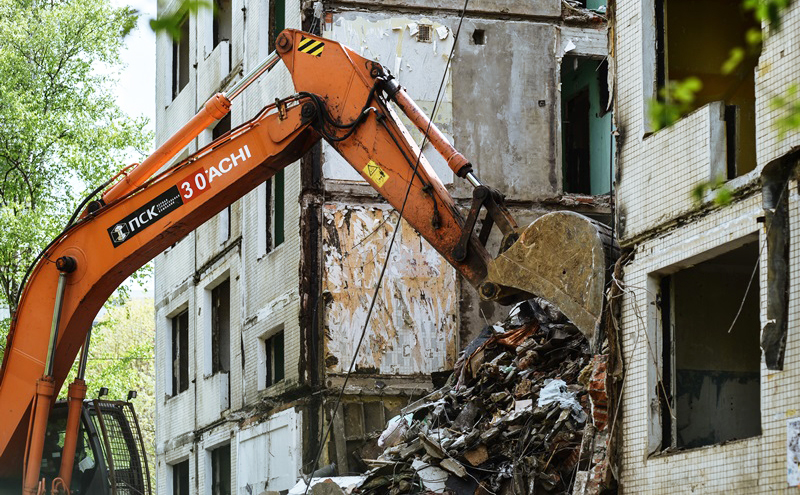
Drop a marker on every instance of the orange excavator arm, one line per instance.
(342, 97)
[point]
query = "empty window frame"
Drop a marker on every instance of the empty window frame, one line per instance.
(180, 59)
(180, 478)
(273, 359)
(221, 470)
(709, 388)
(221, 327)
(586, 126)
(694, 38)
(180, 352)
(276, 21)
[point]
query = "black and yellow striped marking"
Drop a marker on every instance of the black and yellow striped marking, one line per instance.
(310, 46)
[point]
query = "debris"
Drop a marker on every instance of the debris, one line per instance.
(432, 477)
(394, 431)
(329, 485)
(518, 415)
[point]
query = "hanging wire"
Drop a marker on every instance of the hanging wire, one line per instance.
(338, 402)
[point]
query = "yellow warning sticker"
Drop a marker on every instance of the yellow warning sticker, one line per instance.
(376, 173)
(310, 46)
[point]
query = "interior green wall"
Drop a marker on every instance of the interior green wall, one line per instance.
(573, 81)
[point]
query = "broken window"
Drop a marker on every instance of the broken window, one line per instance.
(273, 359)
(709, 386)
(276, 22)
(221, 470)
(694, 38)
(180, 59)
(180, 352)
(221, 327)
(180, 478)
(586, 126)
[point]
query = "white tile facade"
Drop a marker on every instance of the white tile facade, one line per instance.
(663, 228)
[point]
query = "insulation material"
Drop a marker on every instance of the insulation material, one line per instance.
(793, 452)
(413, 328)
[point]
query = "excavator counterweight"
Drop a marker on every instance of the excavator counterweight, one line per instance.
(343, 98)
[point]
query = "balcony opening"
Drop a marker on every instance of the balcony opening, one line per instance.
(222, 21)
(180, 478)
(180, 353)
(710, 376)
(221, 327)
(221, 470)
(180, 59)
(276, 22)
(274, 359)
(586, 126)
(694, 38)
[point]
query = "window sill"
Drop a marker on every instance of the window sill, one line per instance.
(271, 253)
(665, 454)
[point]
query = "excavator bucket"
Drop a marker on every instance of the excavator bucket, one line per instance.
(562, 257)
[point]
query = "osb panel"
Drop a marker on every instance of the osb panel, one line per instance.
(413, 327)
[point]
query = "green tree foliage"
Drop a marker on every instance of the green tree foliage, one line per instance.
(171, 22)
(62, 132)
(121, 357)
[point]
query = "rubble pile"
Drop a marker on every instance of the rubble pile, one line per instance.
(516, 416)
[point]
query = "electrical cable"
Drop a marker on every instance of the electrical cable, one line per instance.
(338, 402)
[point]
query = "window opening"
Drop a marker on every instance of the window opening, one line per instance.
(180, 353)
(221, 470)
(711, 378)
(479, 37)
(274, 362)
(180, 59)
(277, 21)
(180, 478)
(221, 327)
(684, 25)
(586, 126)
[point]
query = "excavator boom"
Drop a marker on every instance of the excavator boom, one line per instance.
(342, 98)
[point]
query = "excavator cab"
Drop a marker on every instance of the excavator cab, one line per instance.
(109, 454)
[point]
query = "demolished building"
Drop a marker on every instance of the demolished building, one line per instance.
(258, 311)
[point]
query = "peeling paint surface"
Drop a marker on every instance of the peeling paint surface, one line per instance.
(413, 328)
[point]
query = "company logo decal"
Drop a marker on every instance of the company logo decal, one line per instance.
(145, 216)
